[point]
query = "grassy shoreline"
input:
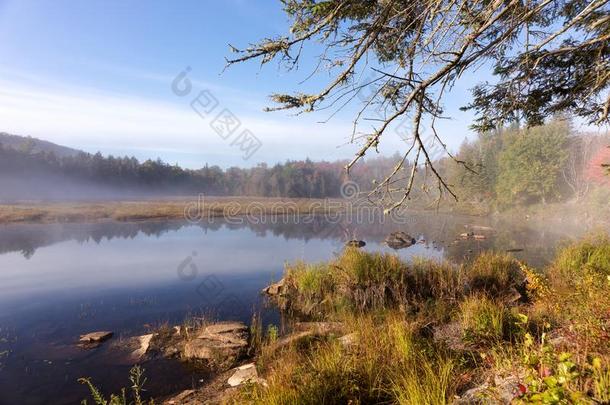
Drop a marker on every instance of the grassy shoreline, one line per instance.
(491, 330)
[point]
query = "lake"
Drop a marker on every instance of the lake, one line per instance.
(58, 281)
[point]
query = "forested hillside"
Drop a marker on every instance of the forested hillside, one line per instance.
(34, 145)
(27, 173)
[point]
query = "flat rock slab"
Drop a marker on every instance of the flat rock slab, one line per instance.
(183, 398)
(243, 374)
(220, 343)
(95, 337)
(143, 343)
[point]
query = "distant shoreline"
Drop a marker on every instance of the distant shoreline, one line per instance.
(161, 209)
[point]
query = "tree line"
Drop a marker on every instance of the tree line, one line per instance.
(298, 179)
(510, 165)
(519, 165)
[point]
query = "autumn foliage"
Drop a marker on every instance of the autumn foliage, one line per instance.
(598, 170)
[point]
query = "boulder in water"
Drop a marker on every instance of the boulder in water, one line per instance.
(399, 240)
(94, 339)
(356, 243)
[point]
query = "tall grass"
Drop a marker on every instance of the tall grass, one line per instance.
(484, 321)
(390, 364)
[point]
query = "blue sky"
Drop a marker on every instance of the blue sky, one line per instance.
(97, 75)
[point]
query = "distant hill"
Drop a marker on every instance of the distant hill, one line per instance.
(34, 145)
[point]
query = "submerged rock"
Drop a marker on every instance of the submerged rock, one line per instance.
(480, 228)
(399, 240)
(356, 243)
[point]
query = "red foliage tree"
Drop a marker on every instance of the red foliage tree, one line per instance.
(598, 169)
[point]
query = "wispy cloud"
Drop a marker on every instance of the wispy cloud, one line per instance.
(92, 119)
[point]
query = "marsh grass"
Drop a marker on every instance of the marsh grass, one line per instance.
(358, 281)
(578, 299)
(139, 210)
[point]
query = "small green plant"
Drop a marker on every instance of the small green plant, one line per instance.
(137, 379)
(273, 333)
(483, 320)
(551, 377)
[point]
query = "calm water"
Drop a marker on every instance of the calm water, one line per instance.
(59, 281)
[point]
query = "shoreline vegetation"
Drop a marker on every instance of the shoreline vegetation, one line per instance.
(371, 328)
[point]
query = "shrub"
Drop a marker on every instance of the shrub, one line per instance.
(579, 301)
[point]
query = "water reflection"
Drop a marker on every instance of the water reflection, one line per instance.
(440, 231)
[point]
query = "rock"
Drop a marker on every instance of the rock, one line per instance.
(466, 235)
(245, 374)
(143, 344)
(348, 340)
(512, 295)
(399, 240)
(480, 237)
(319, 328)
(275, 288)
(94, 339)
(292, 338)
(219, 344)
(184, 398)
(356, 243)
(480, 228)
(450, 334)
(503, 390)
(302, 330)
